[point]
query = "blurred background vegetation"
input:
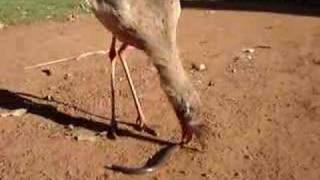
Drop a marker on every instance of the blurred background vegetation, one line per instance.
(17, 11)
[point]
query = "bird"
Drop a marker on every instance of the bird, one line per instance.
(151, 26)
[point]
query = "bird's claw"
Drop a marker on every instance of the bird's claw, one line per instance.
(141, 126)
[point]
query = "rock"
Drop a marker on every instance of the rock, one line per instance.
(71, 127)
(316, 61)
(263, 46)
(199, 67)
(205, 175)
(19, 112)
(236, 58)
(85, 137)
(47, 71)
(67, 76)
(211, 83)
(248, 50)
(268, 27)
(246, 157)
(2, 26)
(15, 113)
(81, 134)
(249, 57)
(71, 17)
(211, 12)
(103, 133)
(49, 98)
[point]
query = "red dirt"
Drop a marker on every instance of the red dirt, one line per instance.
(263, 113)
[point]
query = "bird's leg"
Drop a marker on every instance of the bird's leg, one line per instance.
(112, 55)
(141, 121)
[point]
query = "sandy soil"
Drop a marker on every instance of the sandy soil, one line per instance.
(262, 108)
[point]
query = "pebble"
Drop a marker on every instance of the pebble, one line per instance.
(205, 175)
(246, 157)
(15, 113)
(71, 17)
(199, 67)
(67, 76)
(84, 137)
(249, 57)
(47, 71)
(211, 83)
(49, 98)
(316, 61)
(183, 172)
(248, 50)
(81, 134)
(211, 12)
(2, 26)
(71, 126)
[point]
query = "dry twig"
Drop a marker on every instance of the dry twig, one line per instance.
(74, 58)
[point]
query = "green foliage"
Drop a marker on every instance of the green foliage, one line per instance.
(17, 11)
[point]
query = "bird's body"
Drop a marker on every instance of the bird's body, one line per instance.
(151, 25)
(144, 24)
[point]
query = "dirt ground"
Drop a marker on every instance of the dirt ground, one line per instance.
(262, 107)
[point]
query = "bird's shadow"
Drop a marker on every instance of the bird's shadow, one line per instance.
(294, 7)
(10, 100)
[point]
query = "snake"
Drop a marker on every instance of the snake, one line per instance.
(157, 161)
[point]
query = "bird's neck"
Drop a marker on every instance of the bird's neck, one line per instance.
(176, 84)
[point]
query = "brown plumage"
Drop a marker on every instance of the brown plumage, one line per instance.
(151, 25)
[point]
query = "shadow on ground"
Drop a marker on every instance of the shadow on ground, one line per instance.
(303, 7)
(14, 100)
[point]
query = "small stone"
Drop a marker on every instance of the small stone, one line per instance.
(2, 26)
(83, 137)
(211, 12)
(47, 71)
(211, 83)
(71, 17)
(103, 133)
(121, 79)
(204, 175)
(249, 57)
(81, 134)
(199, 67)
(246, 157)
(67, 76)
(71, 126)
(316, 61)
(236, 58)
(248, 50)
(19, 112)
(183, 172)
(49, 98)
(269, 27)
(15, 113)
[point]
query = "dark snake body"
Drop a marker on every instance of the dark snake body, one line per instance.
(153, 164)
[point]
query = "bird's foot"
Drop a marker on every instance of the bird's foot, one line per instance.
(142, 126)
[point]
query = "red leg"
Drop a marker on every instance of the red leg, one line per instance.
(112, 55)
(141, 121)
